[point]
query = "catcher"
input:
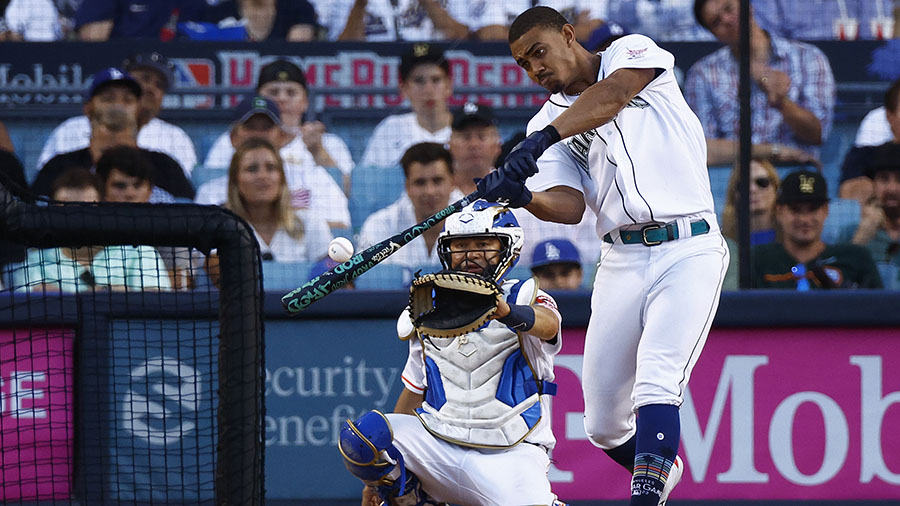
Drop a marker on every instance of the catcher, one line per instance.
(472, 426)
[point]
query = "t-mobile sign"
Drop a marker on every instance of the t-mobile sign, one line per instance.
(771, 413)
(36, 383)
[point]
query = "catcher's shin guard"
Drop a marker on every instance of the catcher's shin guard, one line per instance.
(366, 445)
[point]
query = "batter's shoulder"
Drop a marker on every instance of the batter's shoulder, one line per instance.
(553, 107)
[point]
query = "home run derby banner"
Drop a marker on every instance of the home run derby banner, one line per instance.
(36, 414)
(57, 73)
(771, 414)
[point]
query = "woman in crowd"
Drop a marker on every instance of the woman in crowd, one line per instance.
(763, 188)
(258, 193)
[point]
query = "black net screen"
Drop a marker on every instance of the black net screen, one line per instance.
(131, 355)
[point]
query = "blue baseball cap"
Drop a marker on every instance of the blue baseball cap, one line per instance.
(605, 33)
(251, 106)
(113, 75)
(555, 251)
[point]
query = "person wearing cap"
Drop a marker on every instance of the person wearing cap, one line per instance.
(425, 82)
(879, 226)
(474, 144)
(112, 127)
(285, 83)
(310, 185)
(155, 75)
(604, 35)
(801, 260)
(557, 265)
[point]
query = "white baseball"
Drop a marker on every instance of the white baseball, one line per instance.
(340, 249)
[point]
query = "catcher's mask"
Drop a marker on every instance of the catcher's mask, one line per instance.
(484, 219)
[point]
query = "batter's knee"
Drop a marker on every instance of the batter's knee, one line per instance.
(607, 434)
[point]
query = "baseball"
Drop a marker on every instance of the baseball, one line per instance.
(340, 249)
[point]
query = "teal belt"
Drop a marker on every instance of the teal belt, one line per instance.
(657, 233)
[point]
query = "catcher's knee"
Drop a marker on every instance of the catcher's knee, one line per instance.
(366, 444)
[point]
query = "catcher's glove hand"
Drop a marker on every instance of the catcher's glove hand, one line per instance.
(450, 303)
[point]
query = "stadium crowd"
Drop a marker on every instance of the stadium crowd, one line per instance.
(292, 179)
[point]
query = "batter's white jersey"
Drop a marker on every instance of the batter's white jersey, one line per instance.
(627, 169)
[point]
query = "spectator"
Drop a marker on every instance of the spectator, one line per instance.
(827, 20)
(556, 265)
(880, 126)
(425, 81)
(258, 192)
(390, 20)
(12, 177)
(311, 186)
(31, 21)
(111, 128)
(126, 175)
(584, 16)
(792, 99)
(285, 83)
(155, 74)
(428, 168)
(88, 268)
(100, 20)
(801, 260)
(879, 227)
(604, 35)
(763, 189)
(474, 146)
(291, 20)
(669, 20)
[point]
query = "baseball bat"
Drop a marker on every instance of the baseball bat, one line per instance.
(338, 276)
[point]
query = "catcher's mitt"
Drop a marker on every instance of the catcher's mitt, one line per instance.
(450, 303)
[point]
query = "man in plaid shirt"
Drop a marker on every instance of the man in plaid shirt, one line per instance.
(792, 94)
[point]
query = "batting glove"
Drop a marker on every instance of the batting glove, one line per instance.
(498, 186)
(522, 160)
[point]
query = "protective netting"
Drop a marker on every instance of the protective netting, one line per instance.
(127, 375)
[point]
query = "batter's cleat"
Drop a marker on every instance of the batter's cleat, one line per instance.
(673, 479)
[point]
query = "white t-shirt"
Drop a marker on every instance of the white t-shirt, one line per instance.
(874, 130)
(395, 218)
(312, 189)
(34, 20)
(157, 135)
(385, 19)
(312, 246)
(219, 155)
(394, 135)
(646, 165)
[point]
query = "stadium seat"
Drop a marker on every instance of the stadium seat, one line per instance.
(284, 276)
(384, 277)
(202, 174)
(373, 188)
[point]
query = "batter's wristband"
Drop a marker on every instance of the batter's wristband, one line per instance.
(551, 132)
(520, 318)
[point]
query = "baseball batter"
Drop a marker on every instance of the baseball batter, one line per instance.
(481, 430)
(617, 134)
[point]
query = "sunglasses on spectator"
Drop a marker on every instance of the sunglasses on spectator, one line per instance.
(762, 182)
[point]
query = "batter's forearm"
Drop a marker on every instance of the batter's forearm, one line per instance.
(596, 106)
(559, 204)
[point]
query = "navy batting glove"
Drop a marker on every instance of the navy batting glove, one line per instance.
(499, 187)
(522, 160)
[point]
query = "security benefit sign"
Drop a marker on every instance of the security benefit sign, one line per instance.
(163, 386)
(36, 429)
(318, 374)
(770, 414)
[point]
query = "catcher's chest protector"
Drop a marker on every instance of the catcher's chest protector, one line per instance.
(481, 389)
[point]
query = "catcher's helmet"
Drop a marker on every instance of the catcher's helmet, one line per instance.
(484, 219)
